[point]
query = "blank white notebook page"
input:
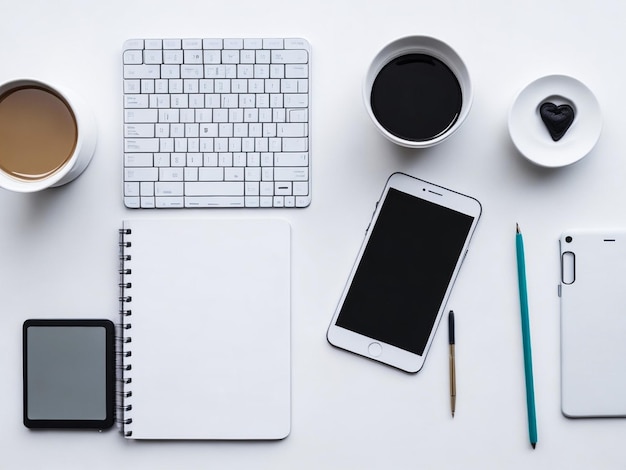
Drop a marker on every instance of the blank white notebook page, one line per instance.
(210, 328)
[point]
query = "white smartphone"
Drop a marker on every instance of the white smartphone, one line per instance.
(403, 275)
(593, 302)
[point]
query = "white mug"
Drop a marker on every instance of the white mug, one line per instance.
(40, 113)
(439, 52)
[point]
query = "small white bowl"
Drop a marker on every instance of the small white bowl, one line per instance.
(529, 133)
(419, 45)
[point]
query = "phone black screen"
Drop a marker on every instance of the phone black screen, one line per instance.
(405, 271)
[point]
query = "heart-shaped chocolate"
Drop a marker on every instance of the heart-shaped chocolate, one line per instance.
(557, 119)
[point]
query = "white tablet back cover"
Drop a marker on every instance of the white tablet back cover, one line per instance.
(593, 323)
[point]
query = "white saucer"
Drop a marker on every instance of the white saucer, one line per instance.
(529, 133)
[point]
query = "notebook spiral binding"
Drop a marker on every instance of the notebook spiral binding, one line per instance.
(124, 368)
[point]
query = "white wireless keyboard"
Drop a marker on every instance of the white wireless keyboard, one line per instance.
(217, 123)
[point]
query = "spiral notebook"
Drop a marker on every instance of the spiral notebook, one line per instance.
(205, 308)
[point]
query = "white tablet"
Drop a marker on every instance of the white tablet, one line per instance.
(404, 272)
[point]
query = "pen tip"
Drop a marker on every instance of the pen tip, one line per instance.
(517, 227)
(534, 444)
(453, 414)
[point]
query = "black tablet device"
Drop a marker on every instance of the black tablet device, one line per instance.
(69, 373)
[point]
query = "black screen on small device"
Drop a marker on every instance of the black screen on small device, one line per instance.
(404, 272)
(69, 373)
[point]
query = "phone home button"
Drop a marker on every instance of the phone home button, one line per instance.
(375, 349)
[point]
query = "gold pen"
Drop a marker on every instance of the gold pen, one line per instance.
(452, 362)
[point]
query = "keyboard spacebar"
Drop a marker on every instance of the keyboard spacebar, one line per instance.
(214, 188)
(214, 201)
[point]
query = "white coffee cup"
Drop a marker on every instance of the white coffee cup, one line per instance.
(47, 135)
(428, 131)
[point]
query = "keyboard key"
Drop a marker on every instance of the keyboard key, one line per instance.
(191, 173)
(252, 201)
(295, 145)
(138, 130)
(293, 56)
(147, 86)
(296, 71)
(192, 43)
(168, 202)
(303, 201)
(133, 57)
(291, 130)
(211, 174)
(223, 188)
(147, 203)
(291, 174)
(153, 43)
(233, 43)
(170, 72)
(138, 159)
(266, 188)
(212, 43)
(298, 115)
(272, 43)
(168, 115)
(233, 174)
(141, 145)
(135, 101)
(291, 159)
(146, 188)
(252, 43)
(133, 44)
(263, 57)
(300, 188)
(230, 56)
(193, 56)
(168, 189)
(141, 174)
(192, 71)
(132, 202)
(132, 86)
(171, 174)
(282, 188)
(172, 44)
(142, 71)
(173, 57)
(253, 174)
(252, 188)
(297, 100)
(131, 189)
(153, 56)
(295, 43)
(212, 57)
(214, 201)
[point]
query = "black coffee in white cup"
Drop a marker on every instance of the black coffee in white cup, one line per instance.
(417, 91)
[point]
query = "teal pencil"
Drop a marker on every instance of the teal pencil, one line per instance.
(528, 360)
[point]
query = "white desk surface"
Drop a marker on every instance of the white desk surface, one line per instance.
(58, 248)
